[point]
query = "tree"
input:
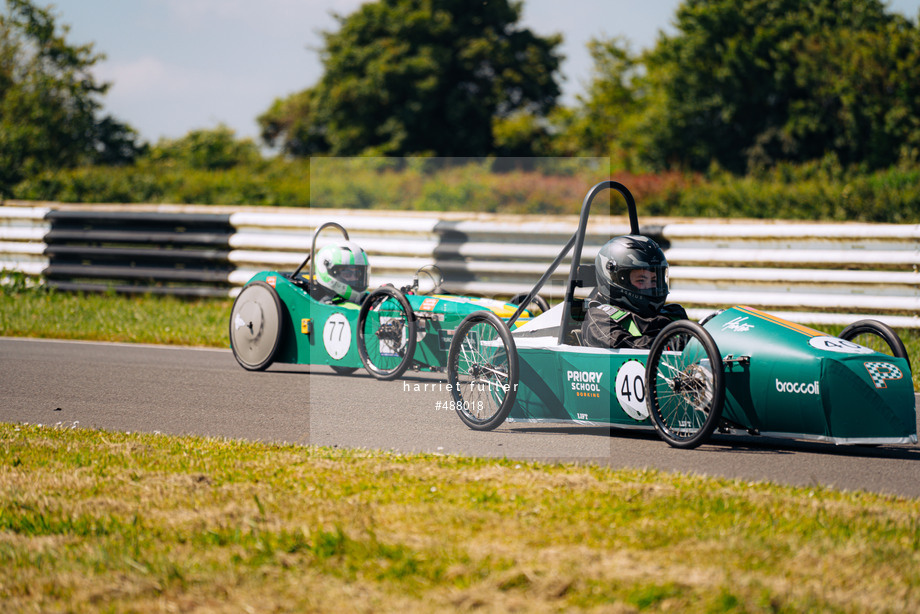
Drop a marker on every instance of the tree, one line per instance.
(215, 149)
(599, 124)
(864, 102)
(747, 83)
(521, 135)
(291, 124)
(419, 77)
(49, 107)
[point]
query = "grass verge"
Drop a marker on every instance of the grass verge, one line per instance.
(93, 521)
(44, 313)
(34, 312)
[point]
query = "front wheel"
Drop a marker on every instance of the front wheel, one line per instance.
(386, 333)
(255, 326)
(685, 384)
(876, 336)
(482, 370)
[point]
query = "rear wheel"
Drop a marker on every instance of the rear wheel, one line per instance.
(482, 370)
(685, 383)
(876, 336)
(538, 301)
(386, 333)
(255, 326)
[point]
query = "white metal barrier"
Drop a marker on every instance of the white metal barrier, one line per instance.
(22, 236)
(823, 273)
(819, 273)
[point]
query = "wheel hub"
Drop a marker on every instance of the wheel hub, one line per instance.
(391, 331)
(250, 318)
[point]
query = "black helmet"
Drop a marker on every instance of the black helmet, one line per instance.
(618, 281)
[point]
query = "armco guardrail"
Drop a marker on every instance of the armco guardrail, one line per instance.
(159, 252)
(22, 239)
(820, 273)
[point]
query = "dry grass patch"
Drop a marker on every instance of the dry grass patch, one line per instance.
(93, 521)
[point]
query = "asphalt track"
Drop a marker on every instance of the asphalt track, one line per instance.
(142, 388)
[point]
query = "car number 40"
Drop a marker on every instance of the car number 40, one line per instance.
(630, 389)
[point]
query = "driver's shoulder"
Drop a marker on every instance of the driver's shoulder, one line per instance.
(614, 313)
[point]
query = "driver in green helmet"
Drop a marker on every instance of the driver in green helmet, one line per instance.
(342, 273)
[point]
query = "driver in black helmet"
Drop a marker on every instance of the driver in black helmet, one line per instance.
(628, 309)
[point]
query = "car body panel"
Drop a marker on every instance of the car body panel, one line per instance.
(781, 379)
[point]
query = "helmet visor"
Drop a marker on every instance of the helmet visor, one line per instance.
(354, 275)
(651, 282)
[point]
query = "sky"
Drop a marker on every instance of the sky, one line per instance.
(181, 65)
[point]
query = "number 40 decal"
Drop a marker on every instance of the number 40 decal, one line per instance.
(630, 389)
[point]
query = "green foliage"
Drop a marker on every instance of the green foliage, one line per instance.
(431, 184)
(291, 125)
(408, 77)
(281, 183)
(748, 84)
(599, 125)
(521, 134)
(796, 193)
(733, 84)
(864, 105)
(49, 107)
(14, 283)
(216, 149)
(819, 191)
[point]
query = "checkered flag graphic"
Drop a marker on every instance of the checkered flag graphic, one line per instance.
(880, 372)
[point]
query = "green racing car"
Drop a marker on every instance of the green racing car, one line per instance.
(740, 370)
(323, 316)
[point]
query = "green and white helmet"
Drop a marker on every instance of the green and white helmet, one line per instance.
(343, 268)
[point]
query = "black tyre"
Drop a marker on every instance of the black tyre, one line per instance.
(255, 326)
(876, 336)
(685, 384)
(386, 333)
(538, 300)
(482, 370)
(343, 370)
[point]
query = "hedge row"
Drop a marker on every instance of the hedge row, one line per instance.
(802, 193)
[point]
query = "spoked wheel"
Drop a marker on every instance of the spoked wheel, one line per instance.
(685, 383)
(386, 333)
(876, 336)
(255, 326)
(537, 301)
(482, 370)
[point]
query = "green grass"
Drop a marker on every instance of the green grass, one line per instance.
(167, 320)
(110, 317)
(93, 521)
